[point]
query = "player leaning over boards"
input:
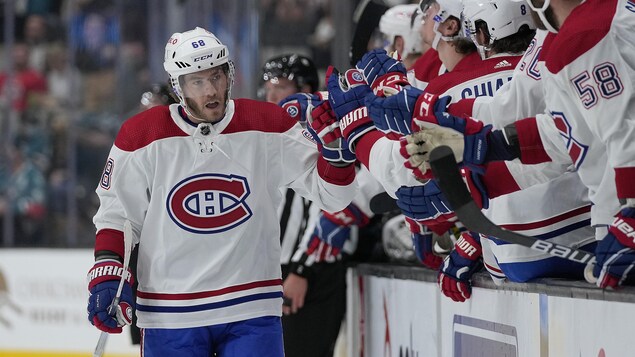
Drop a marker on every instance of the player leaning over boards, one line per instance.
(588, 76)
(201, 181)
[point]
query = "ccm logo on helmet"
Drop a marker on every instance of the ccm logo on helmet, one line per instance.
(209, 203)
(197, 59)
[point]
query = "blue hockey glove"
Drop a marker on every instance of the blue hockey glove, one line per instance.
(103, 281)
(300, 105)
(425, 203)
(394, 113)
(615, 254)
(422, 245)
(346, 95)
(385, 75)
(325, 130)
(456, 272)
(327, 240)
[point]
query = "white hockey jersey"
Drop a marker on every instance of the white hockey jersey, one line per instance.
(591, 70)
(471, 77)
(203, 202)
(553, 204)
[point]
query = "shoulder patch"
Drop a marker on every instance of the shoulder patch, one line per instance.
(253, 115)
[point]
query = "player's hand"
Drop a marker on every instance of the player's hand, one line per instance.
(328, 239)
(103, 281)
(346, 95)
(422, 244)
(425, 203)
(432, 114)
(458, 267)
(385, 74)
(300, 105)
(394, 113)
(325, 130)
(416, 148)
(294, 289)
(615, 254)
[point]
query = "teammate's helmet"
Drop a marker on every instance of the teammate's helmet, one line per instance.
(397, 240)
(404, 21)
(502, 17)
(294, 67)
(447, 9)
(193, 51)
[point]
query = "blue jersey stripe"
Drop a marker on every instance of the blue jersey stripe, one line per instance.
(210, 306)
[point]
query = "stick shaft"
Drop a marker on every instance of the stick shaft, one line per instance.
(112, 309)
(449, 178)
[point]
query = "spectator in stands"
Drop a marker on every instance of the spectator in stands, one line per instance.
(23, 192)
(27, 86)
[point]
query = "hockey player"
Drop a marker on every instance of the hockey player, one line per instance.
(581, 89)
(209, 253)
(400, 26)
(470, 76)
(314, 291)
(562, 211)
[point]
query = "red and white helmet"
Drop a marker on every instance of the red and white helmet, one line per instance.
(194, 51)
(502, 17)
(404, 21)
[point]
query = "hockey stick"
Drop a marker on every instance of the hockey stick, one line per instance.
(383, 203)
(112, 309)
(446, 172)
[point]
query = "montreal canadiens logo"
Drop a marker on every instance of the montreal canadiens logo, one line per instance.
(308, 136)
(293, 111)
(209, 203)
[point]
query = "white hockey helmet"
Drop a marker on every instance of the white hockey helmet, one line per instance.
(447, 9)
(404, 21)
(541, 13)
(397, 240)
(193, 51)
(502, 17)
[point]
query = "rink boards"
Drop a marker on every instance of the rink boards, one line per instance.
(399, 311)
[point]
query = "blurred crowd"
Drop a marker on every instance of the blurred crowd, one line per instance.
(71, 73)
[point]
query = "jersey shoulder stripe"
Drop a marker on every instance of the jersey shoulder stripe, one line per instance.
(253, 115)
(147, 127)
(578, 35)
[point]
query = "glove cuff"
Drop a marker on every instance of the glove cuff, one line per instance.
(354, 125)
(469, 246)
(389, 84)
(105, 270)
(623, 227)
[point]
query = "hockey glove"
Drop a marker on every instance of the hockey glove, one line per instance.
(424, 203)
(324, 128)
(346, 95)
(456, 272)
(394, 113)
(300, 105)
(327, 240)
(615, 254)
(103, 281)
(333, 229)
(385, 74)
(422, 244)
